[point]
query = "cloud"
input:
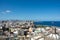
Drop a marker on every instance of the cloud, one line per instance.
(6, 11)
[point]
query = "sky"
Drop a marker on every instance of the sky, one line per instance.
(42, 10)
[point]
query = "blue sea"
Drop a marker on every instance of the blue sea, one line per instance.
(49, 23)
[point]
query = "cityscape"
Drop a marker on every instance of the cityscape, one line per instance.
(27, 30)
(29, 19)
